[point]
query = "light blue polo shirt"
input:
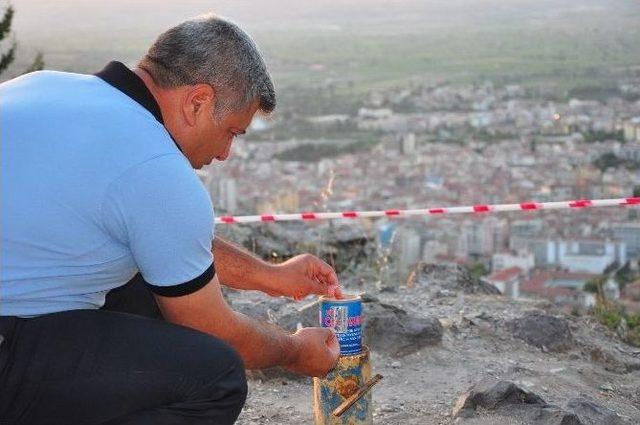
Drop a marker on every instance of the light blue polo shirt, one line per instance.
(94, 189)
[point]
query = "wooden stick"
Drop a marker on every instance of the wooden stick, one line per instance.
(308, 305)
(356, 396)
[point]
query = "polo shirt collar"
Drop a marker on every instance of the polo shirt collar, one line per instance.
(128, 82)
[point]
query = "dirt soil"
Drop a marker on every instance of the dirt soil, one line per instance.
(477, 344)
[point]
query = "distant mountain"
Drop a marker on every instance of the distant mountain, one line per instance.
(374, 40)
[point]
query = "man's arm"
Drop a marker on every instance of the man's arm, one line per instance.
(311, 351)
(297, 277)
(239, 269)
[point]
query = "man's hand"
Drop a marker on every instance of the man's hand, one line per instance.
(304, 275)
(296, 278)
(318, 350)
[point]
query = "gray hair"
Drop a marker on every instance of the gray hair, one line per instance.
(210, 50)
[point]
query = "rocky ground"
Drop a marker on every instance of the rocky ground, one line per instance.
(452, 351)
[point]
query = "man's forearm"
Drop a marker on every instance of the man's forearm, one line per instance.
(259, 344)
(262, 345)
(238, 268)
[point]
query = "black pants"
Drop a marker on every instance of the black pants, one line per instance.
(87, 367)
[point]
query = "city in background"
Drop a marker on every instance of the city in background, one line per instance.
(417, 104)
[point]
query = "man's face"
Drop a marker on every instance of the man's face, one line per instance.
(213, 134)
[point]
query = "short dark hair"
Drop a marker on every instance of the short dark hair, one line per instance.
(211, 50)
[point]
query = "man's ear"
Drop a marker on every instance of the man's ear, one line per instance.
(199, 100)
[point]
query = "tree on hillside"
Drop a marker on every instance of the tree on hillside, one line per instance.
(5, 29)
(607, 160)
(624, 275)
(6, 58)
(592, 285)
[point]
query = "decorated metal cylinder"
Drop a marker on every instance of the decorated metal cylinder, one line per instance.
(344, 316)
(351, 373)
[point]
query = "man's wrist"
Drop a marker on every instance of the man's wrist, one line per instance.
(268, 277)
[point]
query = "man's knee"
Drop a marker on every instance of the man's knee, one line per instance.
(222, 374)
(236, 375)
(239, 379)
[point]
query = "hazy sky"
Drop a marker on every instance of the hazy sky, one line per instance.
(38, 17)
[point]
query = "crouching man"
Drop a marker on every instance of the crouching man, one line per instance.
(98, 186)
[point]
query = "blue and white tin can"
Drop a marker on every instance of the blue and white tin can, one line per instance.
(344, 316)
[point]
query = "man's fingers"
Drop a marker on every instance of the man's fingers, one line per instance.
(328, 277)
(332, 338)
(328, 274)
(332, 291)
(320, 288)
(338, 292)
(333, 344)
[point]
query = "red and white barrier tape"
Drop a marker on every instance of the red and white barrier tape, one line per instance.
(524, 206)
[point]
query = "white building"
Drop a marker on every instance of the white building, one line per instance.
(227, 195)
(374, 114)
(505, 260)
(585, 256)
(482, 237)
(407, 144)
(631, 130)
(629, 233)
(507, 281)
(407, 242)
(631, 151)
(577, 255)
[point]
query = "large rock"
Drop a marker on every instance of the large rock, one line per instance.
(453, 277)
(541, 330)
(591, 413)
(611, 359)
(393, 331)
(494, 396)
(506, 402)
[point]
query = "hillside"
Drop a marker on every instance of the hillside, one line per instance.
(529, 363)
